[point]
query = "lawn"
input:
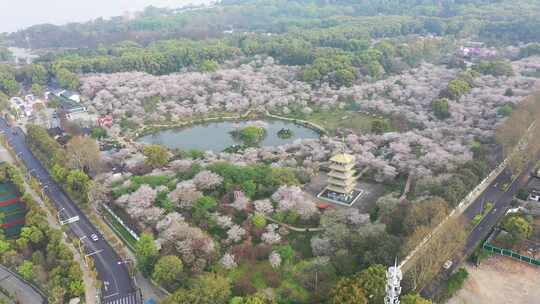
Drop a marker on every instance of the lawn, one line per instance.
(338, 119)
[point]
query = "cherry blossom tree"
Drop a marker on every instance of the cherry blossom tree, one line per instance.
(275, 259)
(206, 180)
(185, 194)
(293, 198)
(271, 236)
(263, 206)
(228, 261)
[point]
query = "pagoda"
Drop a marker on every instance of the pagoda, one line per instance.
(341, 178)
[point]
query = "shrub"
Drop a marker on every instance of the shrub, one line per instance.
(258, 221)
(522, 194)
(456, 281)
(440, 108)
(243, 286)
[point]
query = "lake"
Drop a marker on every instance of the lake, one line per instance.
(216, 136)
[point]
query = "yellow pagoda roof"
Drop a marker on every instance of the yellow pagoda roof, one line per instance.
(342, 158)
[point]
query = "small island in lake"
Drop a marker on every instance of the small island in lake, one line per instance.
(285, 133)
(250, 135)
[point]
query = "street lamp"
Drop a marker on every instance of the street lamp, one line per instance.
(131, 270)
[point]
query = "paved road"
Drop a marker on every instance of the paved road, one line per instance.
(117, 283)
(18, 288)
(501, 202)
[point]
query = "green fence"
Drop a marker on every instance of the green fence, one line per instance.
(510, 253)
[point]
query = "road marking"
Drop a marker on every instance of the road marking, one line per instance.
(111, 295)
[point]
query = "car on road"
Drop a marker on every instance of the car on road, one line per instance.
(447, 264)
(94, 237)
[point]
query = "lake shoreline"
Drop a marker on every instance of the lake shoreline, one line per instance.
(164, 133)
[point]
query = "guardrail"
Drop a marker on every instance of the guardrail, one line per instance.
(510, 253)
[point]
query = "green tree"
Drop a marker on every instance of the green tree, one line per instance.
(249, 188)
(281, 176)
(208, 288)
(8, 84)
(251, 135)
(35, 74)
(67, 79)
(146, 254)
(208, 66)
(413, 298)
(522, 194)
(457, 88)
(440, 108)
(26, 270)
(99, 133)
(33, 234)
(347, 291)
(207, 203)
(455, 282)
(59, 173)
(4, 246)
(518, 227)
(36, 89)
(167, 270)
(156, 155)
(78, 184)
(505, 110)
(258, 220)
(373, 282)
(494, 67)
(83, 153)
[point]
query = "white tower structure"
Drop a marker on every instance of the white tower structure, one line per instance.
(393, 284)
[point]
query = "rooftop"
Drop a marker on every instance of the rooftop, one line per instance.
(68, 105)
(343, 158)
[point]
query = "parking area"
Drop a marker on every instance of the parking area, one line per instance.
(500, 280)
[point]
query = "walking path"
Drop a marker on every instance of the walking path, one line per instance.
(297, 229)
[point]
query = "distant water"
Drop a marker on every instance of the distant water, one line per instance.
(19, 14)
(216, 136)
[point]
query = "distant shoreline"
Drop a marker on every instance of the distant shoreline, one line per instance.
(11, 20)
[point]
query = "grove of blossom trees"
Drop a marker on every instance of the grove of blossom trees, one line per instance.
(196, 248)
(139, 205)
(208, 210)
(421, 143)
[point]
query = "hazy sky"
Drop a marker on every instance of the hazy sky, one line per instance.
(18, 14)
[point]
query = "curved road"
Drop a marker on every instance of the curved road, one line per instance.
(117, 284)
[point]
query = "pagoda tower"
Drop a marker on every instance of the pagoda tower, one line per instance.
(341, 178)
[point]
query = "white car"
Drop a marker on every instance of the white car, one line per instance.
(448, 264)
(94, 237)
